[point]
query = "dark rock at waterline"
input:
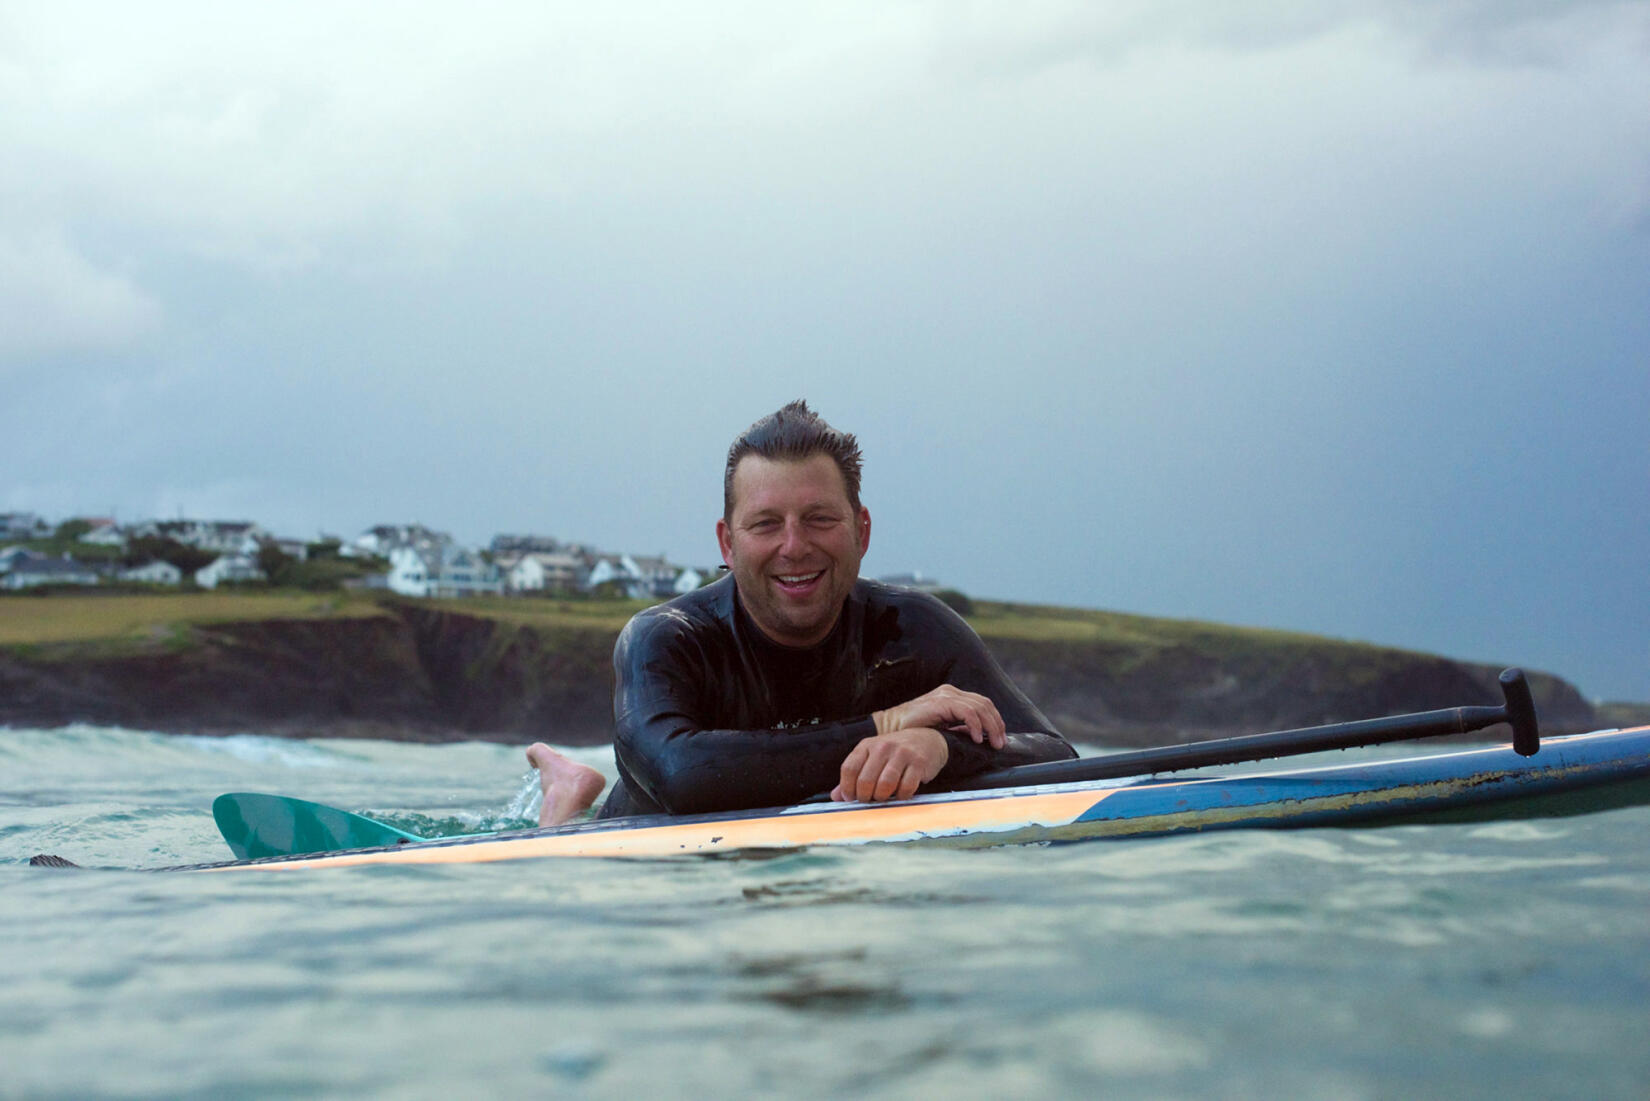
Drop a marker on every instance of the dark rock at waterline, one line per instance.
(426, 674)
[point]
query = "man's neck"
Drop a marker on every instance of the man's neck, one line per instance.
(766, 639)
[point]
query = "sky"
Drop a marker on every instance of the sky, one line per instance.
(1324, 315)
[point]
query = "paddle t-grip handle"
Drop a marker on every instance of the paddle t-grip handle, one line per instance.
(1520, 712)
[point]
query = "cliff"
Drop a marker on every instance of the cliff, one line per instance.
(432, 673)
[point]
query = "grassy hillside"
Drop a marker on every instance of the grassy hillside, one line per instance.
(121, 621)
(317, 663)
(28, 619)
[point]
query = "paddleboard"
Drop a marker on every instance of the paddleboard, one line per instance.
(1569, 775)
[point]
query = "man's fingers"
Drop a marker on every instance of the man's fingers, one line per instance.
(889, 780)
(891, 766)
(848, 780)
(909, 783)
(870, 776)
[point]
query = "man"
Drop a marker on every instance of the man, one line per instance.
(791, 676)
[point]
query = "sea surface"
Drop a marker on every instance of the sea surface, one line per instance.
(1503, 960)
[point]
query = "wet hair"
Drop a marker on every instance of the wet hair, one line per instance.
(793, 434)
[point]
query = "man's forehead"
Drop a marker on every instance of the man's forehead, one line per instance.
(760, 478)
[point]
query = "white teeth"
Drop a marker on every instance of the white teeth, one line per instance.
(794, 579)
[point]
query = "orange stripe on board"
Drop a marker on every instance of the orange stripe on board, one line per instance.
(898, 822)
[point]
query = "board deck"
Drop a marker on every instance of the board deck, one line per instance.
(1569, 775)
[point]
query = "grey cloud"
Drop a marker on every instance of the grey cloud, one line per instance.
(53, 300)
(1237, 324)
(1025, 38)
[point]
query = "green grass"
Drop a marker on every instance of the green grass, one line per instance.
(544, 612)
(66, 617)
(1149, 635)
(123, 621)
(1617, 713)
(162, 619)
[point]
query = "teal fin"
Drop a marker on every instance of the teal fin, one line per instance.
(273, 825)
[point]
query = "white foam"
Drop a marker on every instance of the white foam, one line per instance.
(263, 749)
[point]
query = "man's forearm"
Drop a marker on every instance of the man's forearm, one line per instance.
(690, 771)
(1022, 748)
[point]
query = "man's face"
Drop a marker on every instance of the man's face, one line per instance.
(794, 544)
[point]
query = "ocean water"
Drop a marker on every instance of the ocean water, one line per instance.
(1501, 960)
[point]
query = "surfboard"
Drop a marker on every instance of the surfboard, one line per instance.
(1577, 774)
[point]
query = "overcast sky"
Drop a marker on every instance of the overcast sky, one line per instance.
(1322, 315)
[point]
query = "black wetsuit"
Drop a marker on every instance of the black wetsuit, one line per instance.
(710, 715)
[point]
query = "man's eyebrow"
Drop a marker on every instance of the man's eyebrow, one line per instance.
(822, 505)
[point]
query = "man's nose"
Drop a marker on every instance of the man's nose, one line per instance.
(794, 539)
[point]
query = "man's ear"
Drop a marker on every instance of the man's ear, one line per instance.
(864, 530)
(724, 539)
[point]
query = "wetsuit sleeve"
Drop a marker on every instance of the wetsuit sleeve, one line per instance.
(667, 751)
(1032, 739)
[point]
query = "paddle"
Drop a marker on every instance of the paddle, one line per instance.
(1519, 711)
(274, 825)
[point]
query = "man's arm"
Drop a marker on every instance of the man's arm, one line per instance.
(1029, 737)
(683, 766)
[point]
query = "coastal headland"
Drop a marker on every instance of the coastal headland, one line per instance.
(358, 665)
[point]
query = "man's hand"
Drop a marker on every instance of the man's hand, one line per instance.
(891, 766)
(947, 706)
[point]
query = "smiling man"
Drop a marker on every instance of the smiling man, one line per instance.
(792, 676)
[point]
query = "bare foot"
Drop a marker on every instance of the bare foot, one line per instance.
(569, 787)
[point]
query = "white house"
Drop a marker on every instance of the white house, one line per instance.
(231, 537)
(409, 574)
(658, 575)
(158, 572)
(620, 570)
(383, 538)
(229, 567)
(643, 577)
(104, 533)
(292, 548)
(912, 581)
(22, 525)
(538, 571)
(517, 545)
(524, 575)
(39, 570)
(465, 573)
(443, 570)
(10, 557)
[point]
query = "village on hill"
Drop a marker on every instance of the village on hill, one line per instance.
(408, 559)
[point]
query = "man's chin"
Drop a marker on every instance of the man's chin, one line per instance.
(799, 624)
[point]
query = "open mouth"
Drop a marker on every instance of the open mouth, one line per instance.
(798, 582)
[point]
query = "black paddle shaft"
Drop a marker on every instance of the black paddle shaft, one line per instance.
(1519, 712)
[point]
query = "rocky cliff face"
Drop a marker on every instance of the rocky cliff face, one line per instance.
(429, 675)
(1178, 694)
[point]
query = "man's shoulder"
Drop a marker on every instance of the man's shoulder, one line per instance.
(881, 594)
(916, 607)
(707, 608)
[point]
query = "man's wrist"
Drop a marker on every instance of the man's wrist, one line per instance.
(945, 751)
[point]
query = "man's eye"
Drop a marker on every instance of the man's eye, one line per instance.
(824, 520)
(764, 525)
